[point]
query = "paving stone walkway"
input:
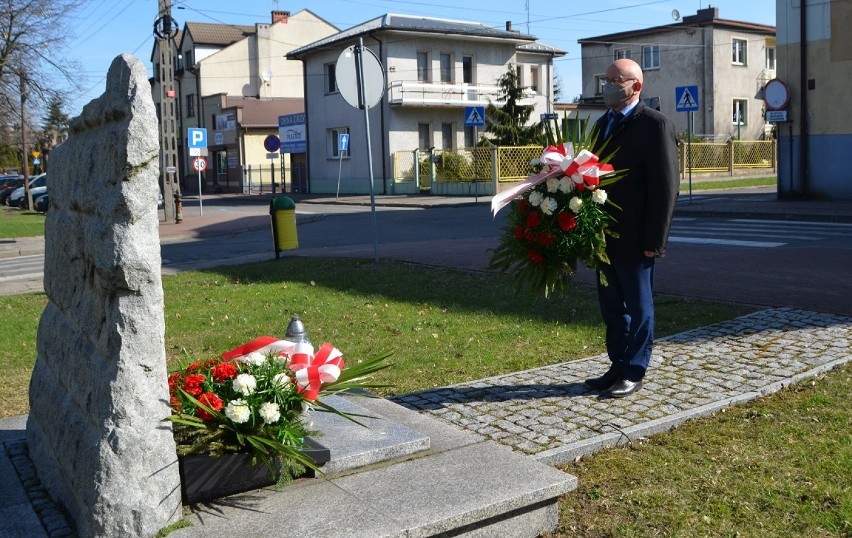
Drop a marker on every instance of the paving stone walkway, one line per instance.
(549, 414)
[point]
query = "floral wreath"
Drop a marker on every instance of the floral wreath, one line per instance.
(557, 216)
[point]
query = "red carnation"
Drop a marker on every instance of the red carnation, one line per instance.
(224, 371)
(531, 236)
(534, 256)
(519, 233)
(533, 219)
(524, 205)
(210, 400)
(193, 384)
(566, 221)
(193, 367)
(546, 238)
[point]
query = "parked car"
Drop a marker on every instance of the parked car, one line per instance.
(36, 193)
(16, 199)
(41, 204)
(8, 187)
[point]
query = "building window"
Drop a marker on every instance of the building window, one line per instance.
(620, 54)
(469, 141)
(423, 67)
(467, 69)
(651, 57)
(534, 78)
(740, 115)
(600, 80)
(738, 47)
(190, 105)
(447, 134)
(770, 58)
(333, 144)
(519, 72)
(189, 59)
(446, 67)
(424, 140)
(330, 79)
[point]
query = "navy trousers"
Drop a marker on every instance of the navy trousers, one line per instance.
(627, 307)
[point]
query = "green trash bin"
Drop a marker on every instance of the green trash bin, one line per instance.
(282, 211)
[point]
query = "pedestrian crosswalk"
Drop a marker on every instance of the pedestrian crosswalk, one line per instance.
(22, 268)
(756, 233)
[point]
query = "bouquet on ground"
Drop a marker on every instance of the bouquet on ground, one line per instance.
(557, 215)
(252, 398)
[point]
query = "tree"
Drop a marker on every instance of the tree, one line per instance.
(508, 124)
(32, 33)
(54, 128)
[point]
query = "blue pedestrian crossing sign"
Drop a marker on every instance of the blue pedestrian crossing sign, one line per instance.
(474, 116)
(686, 98)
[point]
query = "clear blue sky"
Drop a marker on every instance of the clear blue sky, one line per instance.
(105, 28)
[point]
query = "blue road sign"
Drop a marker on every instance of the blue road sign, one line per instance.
(474, 116)
(686, 98)
(196, 137)
(343, 142)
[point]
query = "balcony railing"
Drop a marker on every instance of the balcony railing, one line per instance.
(407, 93)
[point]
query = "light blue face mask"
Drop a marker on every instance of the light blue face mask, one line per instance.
(614, 94)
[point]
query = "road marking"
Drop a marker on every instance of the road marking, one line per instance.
(726, 242)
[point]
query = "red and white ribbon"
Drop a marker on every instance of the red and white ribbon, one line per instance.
(263, 344)
(584, 170)
(314, 370)
(552, 159)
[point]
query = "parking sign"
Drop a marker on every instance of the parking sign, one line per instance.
(196, 137)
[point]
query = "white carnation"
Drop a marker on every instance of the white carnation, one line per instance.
(281, 380)
(548, 206)
(269, 412)
(575, 204)
(244, 384)
(565, 184)
(238, 411)
(536, 198)
(552, 184)
(599, 196)
(254, 358)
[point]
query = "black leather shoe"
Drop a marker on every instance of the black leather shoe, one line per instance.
(623, 387)
(603, 382)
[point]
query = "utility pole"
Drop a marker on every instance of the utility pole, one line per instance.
(165, 30)
(24, 160)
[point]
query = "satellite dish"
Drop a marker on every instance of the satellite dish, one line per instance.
(266, 76)
(675, 14)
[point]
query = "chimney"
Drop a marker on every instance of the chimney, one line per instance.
(703, 15)
(280, 16)
(508, 26)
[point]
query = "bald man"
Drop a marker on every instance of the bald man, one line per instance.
(643, 142)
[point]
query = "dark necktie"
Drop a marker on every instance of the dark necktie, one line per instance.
(615, 119)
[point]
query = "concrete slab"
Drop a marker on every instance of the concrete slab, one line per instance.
(352, 445)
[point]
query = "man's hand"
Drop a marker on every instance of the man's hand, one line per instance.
(650, 254)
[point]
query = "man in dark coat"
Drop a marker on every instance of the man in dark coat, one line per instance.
(642, 141)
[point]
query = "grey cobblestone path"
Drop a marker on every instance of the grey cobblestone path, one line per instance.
(549, 414)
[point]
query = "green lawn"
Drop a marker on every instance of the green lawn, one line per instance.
(20, 223)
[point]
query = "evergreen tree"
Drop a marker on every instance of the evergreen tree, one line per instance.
(507, 124)
(54, 125)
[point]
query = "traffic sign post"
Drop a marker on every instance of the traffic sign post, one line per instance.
(686, 100)
(342, 145)
(474, 116)
(199, 164)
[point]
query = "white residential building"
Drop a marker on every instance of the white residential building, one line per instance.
(433, 68)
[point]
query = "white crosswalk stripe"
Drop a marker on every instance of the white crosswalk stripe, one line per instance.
(755, 233)
(21, 268)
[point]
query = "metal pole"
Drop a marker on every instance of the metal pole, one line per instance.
(339, 167)
(475, 182)
(359, 63)
(200, 209)
(689, 153)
